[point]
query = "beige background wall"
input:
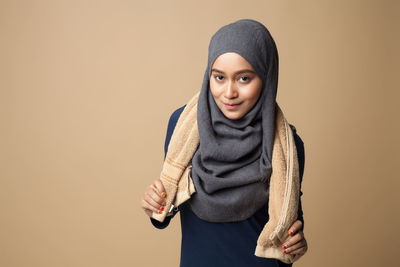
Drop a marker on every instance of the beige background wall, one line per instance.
(86, 91)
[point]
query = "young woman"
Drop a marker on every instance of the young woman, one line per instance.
(236, 116)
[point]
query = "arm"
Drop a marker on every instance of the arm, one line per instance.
(171, 126)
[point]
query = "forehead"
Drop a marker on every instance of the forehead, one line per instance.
(231, 61)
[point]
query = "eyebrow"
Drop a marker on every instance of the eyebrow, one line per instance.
(240, 71)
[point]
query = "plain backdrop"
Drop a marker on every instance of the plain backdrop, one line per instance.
(87, 89)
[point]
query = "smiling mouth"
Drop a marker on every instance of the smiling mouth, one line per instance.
(228, 106)
(232, 104)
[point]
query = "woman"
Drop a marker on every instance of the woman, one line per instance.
(236, 117)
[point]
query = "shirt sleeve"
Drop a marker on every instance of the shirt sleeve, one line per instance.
(165, 223)
(170, 129)
(301, 157)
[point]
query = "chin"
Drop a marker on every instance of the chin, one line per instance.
(232, 116)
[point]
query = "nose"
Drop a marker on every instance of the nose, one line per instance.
(230, 90)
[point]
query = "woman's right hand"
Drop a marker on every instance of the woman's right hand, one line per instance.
(154, 198)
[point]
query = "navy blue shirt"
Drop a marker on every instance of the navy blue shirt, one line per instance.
(223, 244)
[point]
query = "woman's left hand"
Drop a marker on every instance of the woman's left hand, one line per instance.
(296, 243)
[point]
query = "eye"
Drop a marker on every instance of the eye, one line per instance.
(218, 77)
(245, 78)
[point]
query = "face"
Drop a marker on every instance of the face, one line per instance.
(234, 85)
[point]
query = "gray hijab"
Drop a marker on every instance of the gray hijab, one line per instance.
(232, 165)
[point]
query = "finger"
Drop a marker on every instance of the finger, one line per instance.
(293, 240)
(147, 206)
(153, 198)
(160, 188)
(295, 227)
(299, 251)
(294, 247)
(154, 187)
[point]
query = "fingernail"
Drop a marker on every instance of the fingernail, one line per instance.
(160, 212)
(284, 246)
(165, 203)
(284, 251)
(162, 208)
(290, 232)
(163, 194)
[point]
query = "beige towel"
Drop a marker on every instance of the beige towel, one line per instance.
(284, 183)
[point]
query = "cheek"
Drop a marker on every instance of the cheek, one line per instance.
(252, 94)
(255, 92)
(215, 89)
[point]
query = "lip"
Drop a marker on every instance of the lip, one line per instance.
(231, 107)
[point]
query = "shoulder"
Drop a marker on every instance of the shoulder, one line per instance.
(174, 119)
(176, 114)
(298, 141)
(297, 138)
(171, 126)
(300, 150)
